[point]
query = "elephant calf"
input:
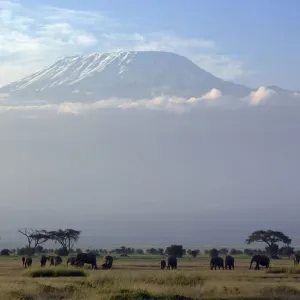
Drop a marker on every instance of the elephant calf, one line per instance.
(163, 264)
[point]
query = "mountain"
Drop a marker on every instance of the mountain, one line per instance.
(133, 75)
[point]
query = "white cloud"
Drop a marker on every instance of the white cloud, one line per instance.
(31, 38)
(168, 104)
(296, 94)
(260, 96)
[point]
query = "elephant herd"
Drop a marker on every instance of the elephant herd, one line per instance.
(218, 262)
(77, 261)
(171, 263)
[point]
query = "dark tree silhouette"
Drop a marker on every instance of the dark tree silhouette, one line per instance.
(66, 238)
(193, 253)
(5, 252)
(34, 237)
(271, 238)
(213, 252)
(175, 250)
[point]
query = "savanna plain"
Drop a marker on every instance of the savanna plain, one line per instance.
(140, 277)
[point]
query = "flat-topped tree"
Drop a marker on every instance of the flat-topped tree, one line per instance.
(66, 238)
(271, 238)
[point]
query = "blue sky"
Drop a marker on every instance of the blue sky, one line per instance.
(251, 42)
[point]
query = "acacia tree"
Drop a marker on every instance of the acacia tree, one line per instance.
(34, 237)
(269, 237)
(66, 238)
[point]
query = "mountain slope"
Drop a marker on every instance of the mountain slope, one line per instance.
(135, 75)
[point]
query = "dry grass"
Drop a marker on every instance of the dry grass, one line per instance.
(280, 270)
(138, 278)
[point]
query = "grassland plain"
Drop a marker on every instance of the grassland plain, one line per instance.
(139, 277)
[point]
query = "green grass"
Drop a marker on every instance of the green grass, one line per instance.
(55, 272)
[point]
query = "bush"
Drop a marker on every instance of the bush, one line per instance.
(236, 252)
(193, 253)
(5, 252)
(39, 249)
(286, 250)
(55, 272)
(62, 252)
(25, 251)
(223, 251)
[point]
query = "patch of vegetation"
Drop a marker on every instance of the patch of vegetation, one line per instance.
(143, 294)
(55, 272)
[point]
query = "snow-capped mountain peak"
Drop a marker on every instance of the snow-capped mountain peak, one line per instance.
(134, 74)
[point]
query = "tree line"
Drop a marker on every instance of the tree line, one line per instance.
(277, 244)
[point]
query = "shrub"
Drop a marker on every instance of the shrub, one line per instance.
(62, 252)
(223, 251)
(5, 252)
(26, 251)
(55, 272)
(193, 253)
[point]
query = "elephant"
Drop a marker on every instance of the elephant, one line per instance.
(23, 261)
(108, 262)
(163, 264)
(259, 259)
(229, 262)
(51, 259)
(296, 258)
(43, 260)
(217, 262)
(86, 258)
(57, 260)
(172, 262)
(28, 262)
(71, 260)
